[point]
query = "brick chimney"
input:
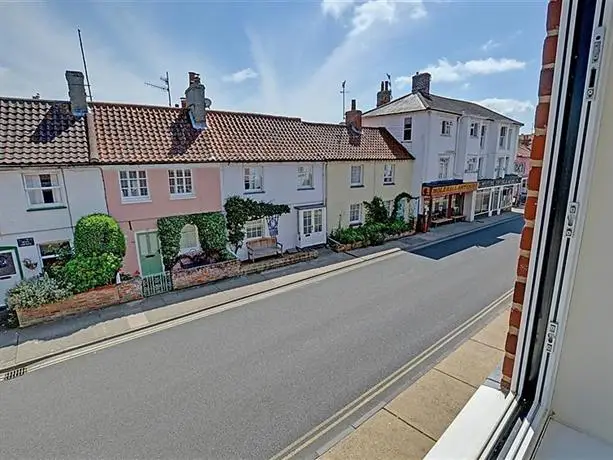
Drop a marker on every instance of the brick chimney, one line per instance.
(76, 92)
(421, 83)
(196, 102)
(385, 94)
(353, 122)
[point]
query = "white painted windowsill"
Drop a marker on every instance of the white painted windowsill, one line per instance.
(136, 200)
(184, 196)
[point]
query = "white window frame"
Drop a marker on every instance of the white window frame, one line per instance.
(308, 227)
(474, 130)
(141, 174)
(407, 129)
(483, 136)
(256, 179)
(500, 167)
(360, 183)
(480, 163)
(303, 172)
(54, 256)
(359, 218)
(56, 190)
(197, 247)
(181, 176)
(502, 138)
(389, 206)
(471, 164)
(509, 136)
(318, 227)
(445, 128)
(447, 161)
(389, 174)
(255, 225)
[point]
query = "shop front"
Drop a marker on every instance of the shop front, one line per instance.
(445, 202)
(495, 196)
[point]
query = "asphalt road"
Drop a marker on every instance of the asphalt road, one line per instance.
(247, 382)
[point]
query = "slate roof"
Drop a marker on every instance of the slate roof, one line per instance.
(127, 133)
(414, 102)
(40, 132)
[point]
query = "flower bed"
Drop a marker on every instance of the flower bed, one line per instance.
(205, 274)
(85, 301)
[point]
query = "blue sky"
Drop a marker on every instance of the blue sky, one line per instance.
(286, 57)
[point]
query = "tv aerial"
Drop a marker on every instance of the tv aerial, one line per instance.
(165, 87)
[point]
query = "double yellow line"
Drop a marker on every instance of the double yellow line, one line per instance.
(309, 438)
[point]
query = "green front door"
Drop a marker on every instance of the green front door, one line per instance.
(149, 253)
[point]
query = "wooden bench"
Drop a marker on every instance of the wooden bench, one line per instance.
(263, 247)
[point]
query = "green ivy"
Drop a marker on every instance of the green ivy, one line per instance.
(211, 233)
(97, 234)
(397, 200)
(240, 210)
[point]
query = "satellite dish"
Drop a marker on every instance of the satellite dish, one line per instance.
(207, 102)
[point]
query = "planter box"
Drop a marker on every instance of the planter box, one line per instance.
(101, 297)
(339, 247)
(201, 275)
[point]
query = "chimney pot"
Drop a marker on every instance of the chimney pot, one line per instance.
(352, 104)
(353, 122)
(196, 102)
(382, 83)
(76, 92)
(385, 95)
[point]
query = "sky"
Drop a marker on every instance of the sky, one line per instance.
(285, 57)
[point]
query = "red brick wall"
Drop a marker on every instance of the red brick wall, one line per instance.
(289, 259)
(201, 275)
(534, 182)
(130, 290)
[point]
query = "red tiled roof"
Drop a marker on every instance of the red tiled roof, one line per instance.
(38, 132)
(150, 134)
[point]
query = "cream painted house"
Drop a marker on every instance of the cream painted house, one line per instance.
(350, 183)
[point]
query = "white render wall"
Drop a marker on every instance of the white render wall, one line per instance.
(280, 182)
(82, 192)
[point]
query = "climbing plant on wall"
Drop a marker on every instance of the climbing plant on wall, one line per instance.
(211, 233)
(396, 208)
(240, 210)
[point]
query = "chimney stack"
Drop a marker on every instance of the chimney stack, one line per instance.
(421, 83)
(385, 94)
(353, 121)
(76, 92)
(196, 102)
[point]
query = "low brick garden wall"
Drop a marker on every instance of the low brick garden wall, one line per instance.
(248, 268)
(182, 279)
(101, 297)
(339, 247)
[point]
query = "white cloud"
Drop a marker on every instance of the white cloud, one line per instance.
(510, 107)
(490, 45)
(444, 71)
(466, 85)
(241, 75)
(336, 8)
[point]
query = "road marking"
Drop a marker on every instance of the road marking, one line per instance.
(87, 349)
(340, 416)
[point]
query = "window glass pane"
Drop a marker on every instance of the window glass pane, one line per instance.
(318, 218)
(35, 196)
(188, 185)
(132, 174)
(189, 237)
(48, 196)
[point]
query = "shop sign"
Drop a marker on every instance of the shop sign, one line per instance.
(449, 189)
(23, 242)
(507, 180)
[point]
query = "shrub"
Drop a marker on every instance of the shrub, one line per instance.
(86, 273)
(98, 234)
(34, 292)
(375, 211)
(346, 235)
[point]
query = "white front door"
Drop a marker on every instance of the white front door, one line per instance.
(9, 272)
(311, 227)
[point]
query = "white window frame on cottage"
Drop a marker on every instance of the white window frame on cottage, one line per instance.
(389, 206)
(189, 240)
(51, 256)
(445, 128)
(126, 185)
(389, 173)
(352, 213)
(446, 161)
(500, 167)
(360, 172)
(509, 137)
(180, 183)
(474, 130)
(39, 191)
(318, 220)
(471, 164)
(254, 229)
(480, 163)
(305, 177)
(253, 179)
(483, 136)
(407, 133)
(502, 139)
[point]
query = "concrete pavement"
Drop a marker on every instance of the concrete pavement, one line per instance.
(248, 381)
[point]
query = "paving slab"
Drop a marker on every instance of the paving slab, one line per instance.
(471, 363)
(383, 437)
(495, 333)
(431, 403)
